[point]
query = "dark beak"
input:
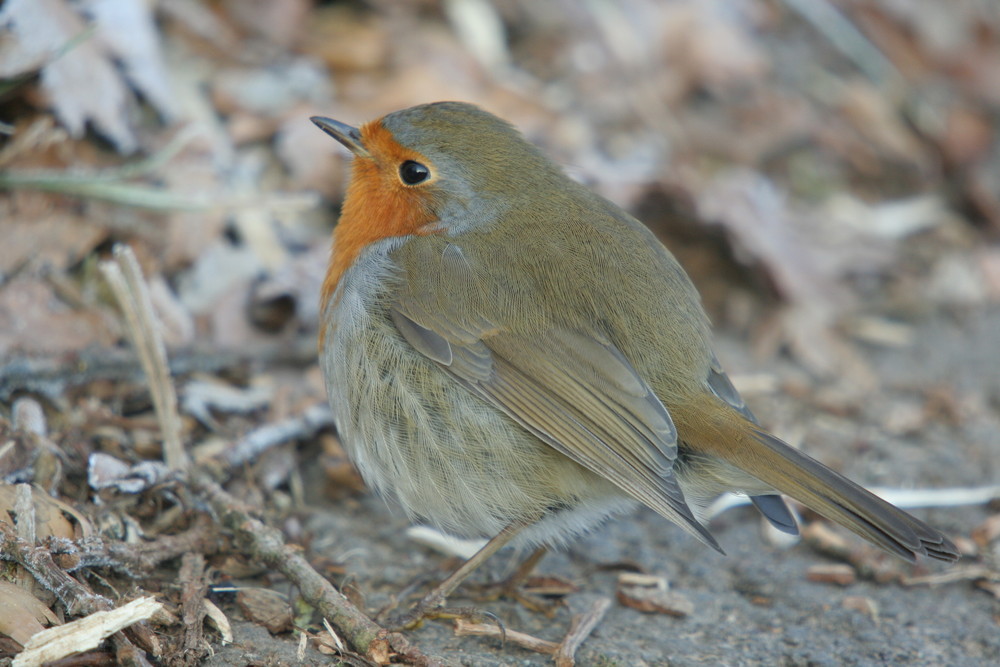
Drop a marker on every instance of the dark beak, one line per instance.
(342, 132)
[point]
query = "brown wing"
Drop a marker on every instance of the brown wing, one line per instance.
(574, 390)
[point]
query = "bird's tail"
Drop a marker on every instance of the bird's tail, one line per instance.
(714, 429)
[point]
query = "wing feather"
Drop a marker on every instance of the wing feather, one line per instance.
(575, 391)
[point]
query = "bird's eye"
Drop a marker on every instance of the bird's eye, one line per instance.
(413, 172)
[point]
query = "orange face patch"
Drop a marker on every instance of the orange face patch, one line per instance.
(377, 206)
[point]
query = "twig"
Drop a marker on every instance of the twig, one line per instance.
(464, 628)
(951, 497)
(581, 627)
(50, 377)
(24, 512)
(136, 560)
(193, 590)
(267, 545)
(271, 435)
(108, 186)
(129, 287)
(951, 576)
(75, 596)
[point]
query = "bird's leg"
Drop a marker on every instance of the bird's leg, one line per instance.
(511, 584)
(433, 602)
(511, 587)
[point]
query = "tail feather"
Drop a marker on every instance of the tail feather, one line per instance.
(775, 510)
(762, 455)
(841, 500)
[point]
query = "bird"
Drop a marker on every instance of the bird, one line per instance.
(511, 356)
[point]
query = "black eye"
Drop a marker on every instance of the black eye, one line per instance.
(413, 172)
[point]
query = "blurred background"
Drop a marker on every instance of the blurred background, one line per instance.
(824, 170)
(828, 171)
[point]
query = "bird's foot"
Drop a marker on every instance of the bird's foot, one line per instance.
(543, 594)
(432, 608)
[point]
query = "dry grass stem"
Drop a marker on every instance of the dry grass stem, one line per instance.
(130, 289)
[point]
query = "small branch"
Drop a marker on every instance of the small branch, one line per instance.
(50, 377)
(136, 560)
(271, 435)
(193, 590)
(76, 597)
(267, 545)
(463, 628)
(581, 627)
(563, 652)
(970, 573)
(111, 185)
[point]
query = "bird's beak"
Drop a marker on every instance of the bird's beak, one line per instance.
(344, 133)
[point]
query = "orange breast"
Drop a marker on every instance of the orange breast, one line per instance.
(377, 206)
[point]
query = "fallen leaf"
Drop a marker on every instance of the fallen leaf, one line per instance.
(77, 71)
(34, 321)
(21, 614)
(128, 30)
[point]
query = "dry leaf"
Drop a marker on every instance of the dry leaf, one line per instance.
(128, 30)
(346, 39)
(50, 515)
(279, 21)
(34, 320)
(81, 83)
(21, 614)
(711, 44)
(312, 164)
(68, 238)
(877, 120)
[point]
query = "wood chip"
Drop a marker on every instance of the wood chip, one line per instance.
(987, 532)
(838, 574)
(865, 605)
(83, 634)
(991, 587)
(266, 608)
(218, 617)
(651, 595)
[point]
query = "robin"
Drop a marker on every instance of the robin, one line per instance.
(512, 356)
